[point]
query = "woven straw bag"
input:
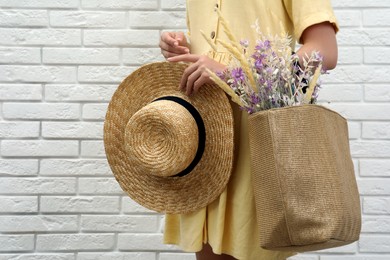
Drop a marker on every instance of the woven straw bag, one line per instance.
(304, 184)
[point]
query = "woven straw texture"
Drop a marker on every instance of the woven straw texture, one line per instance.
(145, 149)
(304, 183)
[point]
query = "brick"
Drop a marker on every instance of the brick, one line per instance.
(37, 186)
(79, 204)
(354, 130)
(63, 111)
(72, 242)
(376, 17)
(72, 130)
(39, 148)
(23, 18)
(74, 167)
(350, 55)
(348, 249)
(37, 256)
(341, 93)
(370, 149)
(345, 257)
(129, 206)
(350, 18)
(120, 4)
(117, 256)
(92, 149)
(87, 19)
(15, 167)
(185, 256)
(376, 55)
(104, 74)
(12, 55)
(78, 92)
(130, 224)
(375, 168)
(94, 111)
(40, 4)
(376, 130)
(19, 204)
(11, 243)
(38, 37)
(52, 223)
(376, 224)
(143, 242)
(360, 3)
(52, 74)
(163, 20)
(91, 186)
(376, 205)
(80, 56)
(374, 244)
(122, 38)
(362, 111)
(20, 92)
(140, 56)
(364, 37)
(303, 257)
(374, 187)
(19, 129)
(356, 167)
(173, 5)
(358, 74)
(377, 92)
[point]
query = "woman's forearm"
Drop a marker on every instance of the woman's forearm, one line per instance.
(320, 37)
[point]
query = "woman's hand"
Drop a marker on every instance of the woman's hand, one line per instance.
(173, 44)
(195, 75)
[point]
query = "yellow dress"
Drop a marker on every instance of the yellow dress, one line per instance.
(229, 223)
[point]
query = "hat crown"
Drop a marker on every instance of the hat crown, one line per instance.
(161, 139)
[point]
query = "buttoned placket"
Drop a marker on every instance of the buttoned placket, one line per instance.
(214, 31)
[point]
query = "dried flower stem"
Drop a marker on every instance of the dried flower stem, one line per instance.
(222, 84)
(227, 30)
(243, 61)
(235, 50)
(313, 83)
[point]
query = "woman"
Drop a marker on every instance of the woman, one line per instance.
(226, 229)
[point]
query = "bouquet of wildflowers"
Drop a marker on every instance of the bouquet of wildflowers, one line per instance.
(270, 76)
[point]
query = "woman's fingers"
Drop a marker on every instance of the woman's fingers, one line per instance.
(185, 58)
(172, 44)
(195, 75)
(170, 51)
(190, 76)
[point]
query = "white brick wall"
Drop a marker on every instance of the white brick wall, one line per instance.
(61, 61)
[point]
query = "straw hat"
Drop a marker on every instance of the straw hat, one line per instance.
(169, 152)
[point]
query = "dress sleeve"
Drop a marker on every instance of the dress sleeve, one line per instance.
(304, 13)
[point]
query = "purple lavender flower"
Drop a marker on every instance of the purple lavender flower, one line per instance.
(259, 64)
(267, 44)
(250, 110)
(259, 46)
(255, 99)
(221, 75)
(238, 75)
(269, 84)
(244, 43)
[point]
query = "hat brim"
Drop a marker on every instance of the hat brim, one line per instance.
(210, 176)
